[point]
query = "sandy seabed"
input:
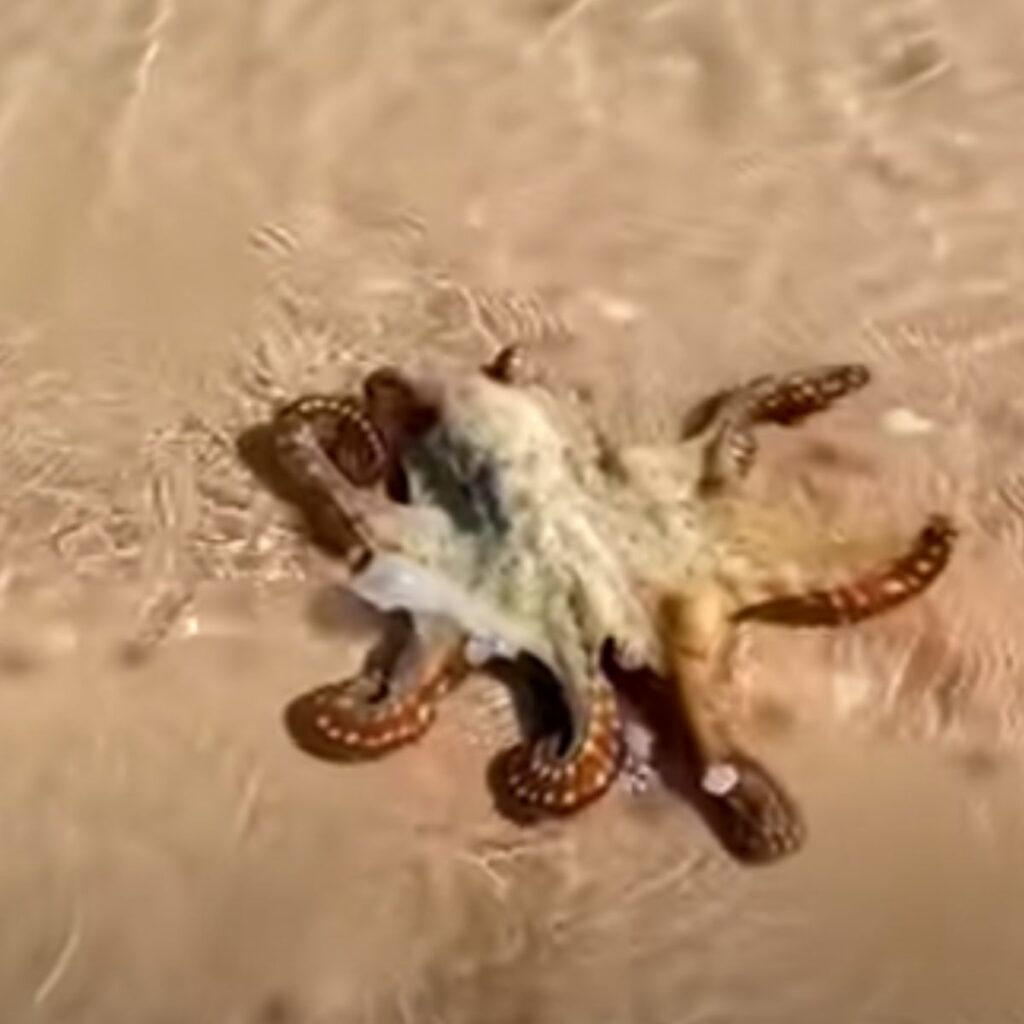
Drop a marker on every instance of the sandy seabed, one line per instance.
(205, 207)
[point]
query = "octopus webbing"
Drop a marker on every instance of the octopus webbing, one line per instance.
(470, 507)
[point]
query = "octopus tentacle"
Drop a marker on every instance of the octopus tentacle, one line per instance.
(870, 594)
(390, 704)
(398, 409)
(543, 779)
(507, 366)
(315, 439)
(358, 448)
(785, 401)
(790, 399)
(364, 437)
(335, 450)
(344, 432)
(729, 455)
(400, 412)
(756, 818)
(701, 416)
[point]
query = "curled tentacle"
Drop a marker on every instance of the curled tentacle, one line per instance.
(785, 401)
(364, 438)
(872, 593)
(507, 366)
(702, 415)
(540, 778)
(729, 455)
(397, 408)
(334, 448)
(310, 434)
(341, 428)
(400, 413)
(358, 449)
(390, 704)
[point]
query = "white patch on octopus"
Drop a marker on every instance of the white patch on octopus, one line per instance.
(392, 582)
(720, 779)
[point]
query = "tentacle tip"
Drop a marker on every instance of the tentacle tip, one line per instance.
(857, 375)
(329, 724)
(303, 719)
(508, 365)
(755, 818)
(531, 782)
(940, 527)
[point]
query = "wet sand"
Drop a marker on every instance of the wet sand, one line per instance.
(206, 208)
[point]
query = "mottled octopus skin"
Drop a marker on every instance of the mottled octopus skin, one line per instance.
(580, 544)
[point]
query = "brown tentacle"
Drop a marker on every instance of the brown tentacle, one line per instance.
(756, 819)
(537, 777)
(701, 416)
(400, 413)
(310, 434)
(790, 399)
(398, 409)
(357, 448)
(729, 455)
(785, 401)
(342, 429)
(339, 722)
(507, 366)
(363, 438)
(875, 592)
(332, 446)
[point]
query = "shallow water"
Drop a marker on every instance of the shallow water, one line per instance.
(206, 207)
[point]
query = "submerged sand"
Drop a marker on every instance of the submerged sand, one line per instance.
(205, 207)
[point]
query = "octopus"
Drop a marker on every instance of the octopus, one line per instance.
(493, 529)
